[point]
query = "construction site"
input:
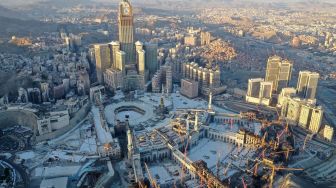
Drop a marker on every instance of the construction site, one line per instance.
(203, 145)
(168, 140)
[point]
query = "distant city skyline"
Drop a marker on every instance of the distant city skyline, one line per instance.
(21, 3)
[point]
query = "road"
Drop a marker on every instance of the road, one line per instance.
(300, 132)
(20, 170)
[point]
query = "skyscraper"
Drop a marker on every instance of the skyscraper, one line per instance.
(120, 60)
(312, 85)
(285, 92)
(129, 63)
(284, 75)
(126, 31)
(169, 78)
(156, 82)
(253, 90)
(316, 120)
(254, 87)
(272, 69)
(305, 115)
(114, 48)
(279, 72)
(266, 90)
(328, 132)
(307, 84)
(303, 112)
(291, 109)
(151, 58)
(141, 61)
(45, 91)
(266, 93)
(259, 91)
(103, 60)
(163, 79)
(113, 79)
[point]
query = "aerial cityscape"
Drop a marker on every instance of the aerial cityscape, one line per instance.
(167, 94)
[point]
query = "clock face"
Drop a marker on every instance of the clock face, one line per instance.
(126, 10)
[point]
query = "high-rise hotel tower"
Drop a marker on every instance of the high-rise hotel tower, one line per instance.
(125, 64)
(278, 72)
(126, 31)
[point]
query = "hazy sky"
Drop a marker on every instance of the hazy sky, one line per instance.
(11, 3)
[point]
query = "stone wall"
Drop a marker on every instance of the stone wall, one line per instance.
(78, 117)
(10, 118)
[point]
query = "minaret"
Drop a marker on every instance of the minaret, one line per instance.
(210, 101)
(196, 122)
(163, 90)
(129, 144)
(188, 125)
(162, 105)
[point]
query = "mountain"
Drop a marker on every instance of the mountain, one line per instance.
(16, 3)
(6, 12)
(19, 27)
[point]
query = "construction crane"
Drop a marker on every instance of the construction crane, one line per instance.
(185, 158)
(186, 149)
(287, 152)
(287, 125)
(255, 172)
(244, 184)
(227, 168)
(262, 153)
(152, 180)
(277, 168)
(280, 135)
(219, 154)
(263, 141)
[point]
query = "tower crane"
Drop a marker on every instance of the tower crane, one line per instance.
(185, 157)
(287, 152)
(227, 168)
(219, 154)
(280, 135)
(255, 173)
(244, 184)
(263, 141)
(279, 168)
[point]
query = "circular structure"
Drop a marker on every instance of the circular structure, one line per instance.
(137, 112)
(132, 113)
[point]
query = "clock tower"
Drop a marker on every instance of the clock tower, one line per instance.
(126, 31)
